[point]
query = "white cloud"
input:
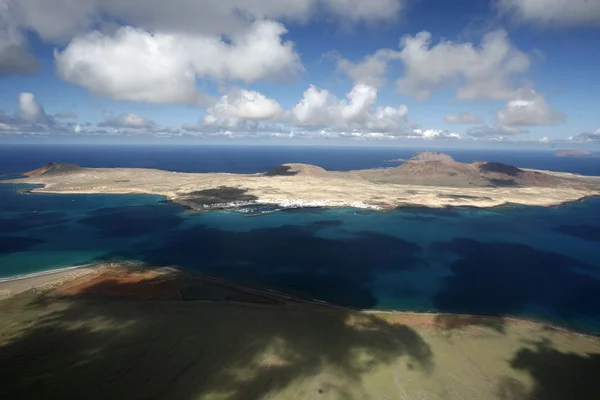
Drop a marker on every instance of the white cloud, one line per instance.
(30, 111)
(369, 11)
(435, 134)
(593, 136)
(14, 56)
(553, 12)
(60, 20)
(4, 127)
(30, 118)
(498, 130)
(528, 109)
(246, 104)
(483, 72)
(463, 118)
(371, 70)
(240, 110)
(125, 121)
(427, 134)
(134, 64)
(320, 108)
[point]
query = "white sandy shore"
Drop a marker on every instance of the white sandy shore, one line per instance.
(12, 285)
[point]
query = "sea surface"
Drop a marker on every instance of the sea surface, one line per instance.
(534, 262)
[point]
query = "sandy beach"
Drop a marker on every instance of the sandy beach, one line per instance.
(114, 328)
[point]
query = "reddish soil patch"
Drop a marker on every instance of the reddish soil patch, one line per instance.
(136, 285)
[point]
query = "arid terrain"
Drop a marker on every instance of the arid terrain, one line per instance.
(135, 333)
(427, 179)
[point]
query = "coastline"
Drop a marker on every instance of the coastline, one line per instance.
(429, 197)
(46, 272)
(52, 279)
(300, 204)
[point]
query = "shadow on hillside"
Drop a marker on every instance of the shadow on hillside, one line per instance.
(105, 348)
(556, 375)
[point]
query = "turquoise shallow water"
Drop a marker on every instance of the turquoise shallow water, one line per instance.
(526, 261)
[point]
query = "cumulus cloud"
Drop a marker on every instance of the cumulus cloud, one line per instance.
(486, 131)
(528, 109)
(366, 11)
(593, 136)
(478, 72)
(240, 110)
(320, 108)
(246, 104)
(124, 121)
(15, 59)
(30, 111)
(553, 12)
(134, 64)
(60, 20)
(371, 70)
(463, 118)
(30, 117)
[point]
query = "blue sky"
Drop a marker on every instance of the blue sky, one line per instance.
(476, 71)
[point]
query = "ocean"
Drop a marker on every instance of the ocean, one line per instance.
(532, 262)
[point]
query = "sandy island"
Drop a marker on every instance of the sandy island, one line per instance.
(124, 331)
(427, 179)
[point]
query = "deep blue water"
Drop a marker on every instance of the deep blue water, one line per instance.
(528, 261)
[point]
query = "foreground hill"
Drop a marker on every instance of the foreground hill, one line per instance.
(110, 333)
(427, 179)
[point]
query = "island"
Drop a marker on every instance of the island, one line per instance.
(426, 180)
(576, 153)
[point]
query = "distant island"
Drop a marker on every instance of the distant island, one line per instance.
(427, 179)
(426, 156)
(576, 153)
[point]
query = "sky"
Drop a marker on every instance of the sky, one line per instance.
(469, 72)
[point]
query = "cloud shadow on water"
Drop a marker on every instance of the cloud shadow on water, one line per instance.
(506, 278)
(292, 259)
(31, 220)
(16, 244)
(134, 220)
(586, 232)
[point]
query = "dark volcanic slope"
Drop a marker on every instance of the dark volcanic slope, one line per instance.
(435, 173)
(508, 175)
(54, 168)
(438, 169)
